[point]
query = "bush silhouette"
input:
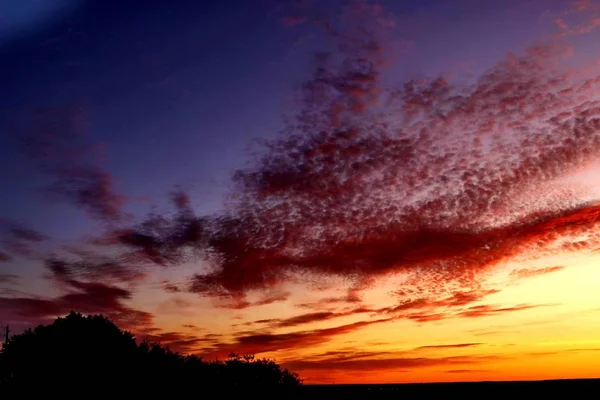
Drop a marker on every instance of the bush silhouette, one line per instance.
(81, 356)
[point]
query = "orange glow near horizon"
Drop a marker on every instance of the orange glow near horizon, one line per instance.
(556, 338)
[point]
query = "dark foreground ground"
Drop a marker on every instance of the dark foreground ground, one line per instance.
(576, 388)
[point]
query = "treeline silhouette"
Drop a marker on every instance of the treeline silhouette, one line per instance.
(79, 355)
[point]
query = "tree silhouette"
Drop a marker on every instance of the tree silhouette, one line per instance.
(79, 355)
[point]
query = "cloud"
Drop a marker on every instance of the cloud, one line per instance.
(164, 240)
(55, 141)
(240, 302)
(92, 267)
(582, 18)
(191, 326)
(9, 279)
(494, 332)
(448, 346)
(456, 305)
(311, 317)
(584, 349)
(486, 310)
(19, 231)
(583, 5)
(171, 288)
(466, 371)
(18, 238)
(261, 342)
(180, 342)
(435, 180)
(352, 361)
(422, 317)
(305, 318)
(529, 273)
(91, 190)
(174, 305)
(379, 364)
(350, 192)
(429, 308)
(84, 297)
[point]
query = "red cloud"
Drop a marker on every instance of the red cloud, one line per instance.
(372, 364)
(466, 371)
(260, 342)
(487, 310)
(311, 317)
(181, 342)
(584, 16)
(431, 179)
(452, 306)
(239, 303)
(4, 257)
(338, 196)
(448, 346)
(350, 192)
(191, 326)
(427, 316)
(583, 5)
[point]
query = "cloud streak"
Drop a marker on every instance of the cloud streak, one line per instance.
(533, 272)
(55, 141)
(9, 279)
(263, 341)
(18, 238)
(448, 346)
(381, 362)
(92, 298)
(92, 267)
(311, 317)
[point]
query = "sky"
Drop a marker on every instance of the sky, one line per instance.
(364, 191)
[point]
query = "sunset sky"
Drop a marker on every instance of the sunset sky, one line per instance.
(364, 191)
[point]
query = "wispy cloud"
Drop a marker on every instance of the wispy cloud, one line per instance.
(18, 238)
(311, 317)
(581, 18)
(57, 143)
(448, 346)
(92, 266)
(532, 272)
(9, 279)
(382, 362)
(486, 310)
(263, 341)
(93, 298)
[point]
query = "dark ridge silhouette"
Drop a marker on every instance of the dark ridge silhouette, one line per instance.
(78, 355)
